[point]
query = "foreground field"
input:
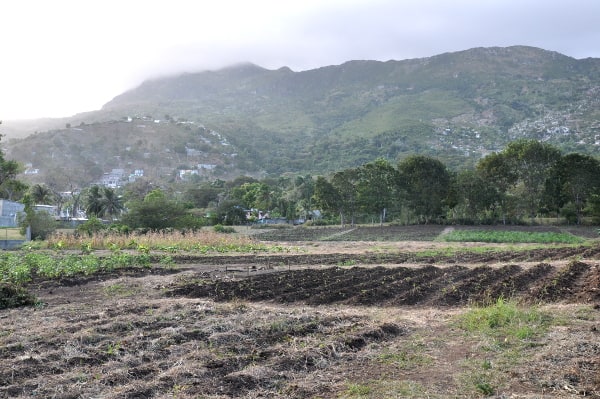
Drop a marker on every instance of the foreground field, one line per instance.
(322, 319)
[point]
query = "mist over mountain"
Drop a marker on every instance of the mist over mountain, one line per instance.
(249, 120)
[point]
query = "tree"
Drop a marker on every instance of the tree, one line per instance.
(377, 187)
(328, 198)
(520, 172)
(93, 201)
(10, 187)
(41, 194)
(40, 223)
(575, 179)
(426, 183)
(532, 162)
(154, 212)
(103, 202)
(475, 197)
(112, 204)
(346, 183)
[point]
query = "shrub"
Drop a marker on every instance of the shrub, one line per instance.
(92, 226)
(12, 296)
(219, 228)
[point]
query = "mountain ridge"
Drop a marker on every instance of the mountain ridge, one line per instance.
(457, 106)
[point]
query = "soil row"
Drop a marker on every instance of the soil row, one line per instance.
(401, 286)
(499, 256)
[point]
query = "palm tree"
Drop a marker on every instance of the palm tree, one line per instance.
(93, 201)
(102, 202)
(111, 204)
(41, 194)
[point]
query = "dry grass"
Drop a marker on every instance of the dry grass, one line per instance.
(175, 240)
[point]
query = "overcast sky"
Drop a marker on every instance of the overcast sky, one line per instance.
(61, 57)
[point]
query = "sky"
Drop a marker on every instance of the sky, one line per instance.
(62, 57)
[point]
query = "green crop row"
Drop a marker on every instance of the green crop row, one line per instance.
(19, 268)
(512, 237)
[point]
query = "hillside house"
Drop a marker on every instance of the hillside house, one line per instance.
(112, 179)
(186, 174)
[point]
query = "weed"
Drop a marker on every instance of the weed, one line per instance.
(505, 322)
(485, 388)
(120, 290)
(358, 390)
(348, 262)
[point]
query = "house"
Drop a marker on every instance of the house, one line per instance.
(9, 212)
(186, 174)
(112, 179)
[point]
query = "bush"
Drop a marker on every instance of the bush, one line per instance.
(92, 226)
(41, 223)
(219, 228)
(12, 296)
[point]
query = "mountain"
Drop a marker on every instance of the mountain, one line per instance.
(456, 106)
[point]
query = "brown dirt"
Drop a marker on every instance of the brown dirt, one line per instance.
(326, 320)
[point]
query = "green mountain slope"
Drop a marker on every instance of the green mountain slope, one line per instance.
(456, 106)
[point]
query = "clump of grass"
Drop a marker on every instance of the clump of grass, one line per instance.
(512, 237)
(358, 390)
(505, 322)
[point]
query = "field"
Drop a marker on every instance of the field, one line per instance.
(369, 312)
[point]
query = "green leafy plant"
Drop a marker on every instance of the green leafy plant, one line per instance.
(511, 237)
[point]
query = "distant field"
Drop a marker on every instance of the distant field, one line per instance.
(426, 233)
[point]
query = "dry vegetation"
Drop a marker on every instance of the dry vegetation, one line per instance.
(232, 325)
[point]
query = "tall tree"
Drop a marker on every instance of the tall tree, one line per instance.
(532, 162)
(377, 187)
(426, 183)
(520, 172)
(346, 182)
(112, 203)
(93, 201)
(575, 178)
(327, 197)
(10, 187)
(41, 194)
(475, 197)
(103, 202)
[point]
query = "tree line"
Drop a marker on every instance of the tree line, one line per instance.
(528, 179)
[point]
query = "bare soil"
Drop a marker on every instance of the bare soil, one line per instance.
(351, 319)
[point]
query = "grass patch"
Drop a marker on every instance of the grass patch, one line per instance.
(120, 290)
(357, 391)
(505, 322)
(512, 237)
(507, 332)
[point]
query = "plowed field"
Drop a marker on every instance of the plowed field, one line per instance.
(343, 319)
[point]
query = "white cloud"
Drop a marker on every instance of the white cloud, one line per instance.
(64, 56)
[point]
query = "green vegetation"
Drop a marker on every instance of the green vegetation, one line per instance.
(512, 237)
(13, 295)
(357, 390)
(505, 323)
(18, 269)
(506, 330)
